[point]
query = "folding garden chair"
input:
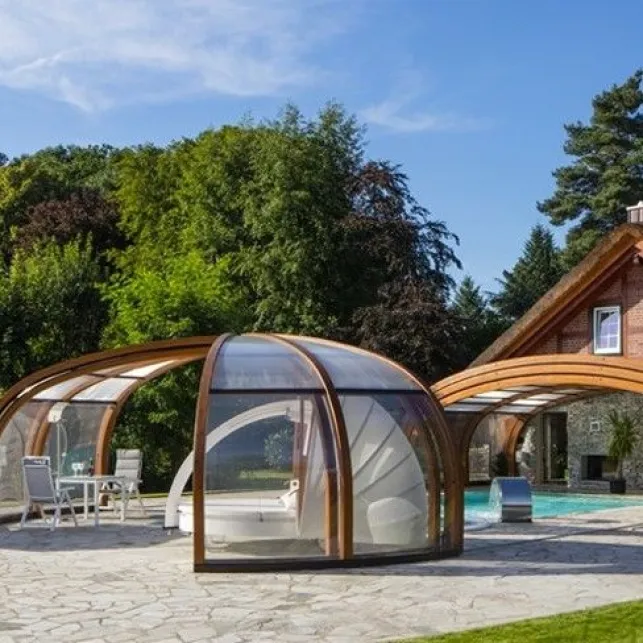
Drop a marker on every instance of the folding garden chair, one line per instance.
(39, 489)
(129, 463)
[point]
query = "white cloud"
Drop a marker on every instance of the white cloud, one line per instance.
(396, 114)
(97, 53)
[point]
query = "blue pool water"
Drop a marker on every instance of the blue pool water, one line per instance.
(476, 503)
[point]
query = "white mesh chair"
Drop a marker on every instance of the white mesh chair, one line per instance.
(129, 463)
(39, 489)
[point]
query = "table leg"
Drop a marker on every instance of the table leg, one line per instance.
(96, 508)
(85, 500)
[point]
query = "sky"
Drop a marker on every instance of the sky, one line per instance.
(468, 96)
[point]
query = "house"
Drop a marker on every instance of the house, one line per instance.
(596, 309)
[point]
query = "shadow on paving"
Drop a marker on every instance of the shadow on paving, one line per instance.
(109, 535)
(551, 555)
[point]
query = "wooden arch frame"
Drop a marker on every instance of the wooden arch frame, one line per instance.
(439, 447)
(116, 362)
(454, 510)
(591, 374)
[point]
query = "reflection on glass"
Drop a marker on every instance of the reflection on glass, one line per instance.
(267, 477)
(354, 369)
(254, 363)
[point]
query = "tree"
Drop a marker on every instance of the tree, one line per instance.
(411, 323)
(536, 271)
(607, 173)
(86, 215)
(187, 297)
(41, 296)
(478, 323)
(51, 174)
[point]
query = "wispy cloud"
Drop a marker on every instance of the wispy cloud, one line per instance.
(398, 114)
(97, 53)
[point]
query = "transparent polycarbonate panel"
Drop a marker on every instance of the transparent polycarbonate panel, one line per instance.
(255, 363)
(423, 415)
(145, 371)
(390, 493)
(72, 437)
(108, 390)
(132, 370)
(13, 441)
(352, 369)
(270, 464)
(59, 391)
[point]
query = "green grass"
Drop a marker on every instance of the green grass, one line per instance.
(620, 623)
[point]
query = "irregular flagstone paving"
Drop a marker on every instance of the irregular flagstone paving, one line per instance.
(133, 582)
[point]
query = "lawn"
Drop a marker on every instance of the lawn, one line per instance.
(620, 623)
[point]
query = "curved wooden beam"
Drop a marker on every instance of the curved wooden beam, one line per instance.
(130, 357)
(108, 422)
(452, 470)
(607, 373)
(200, 430)
(510, 445)
(343, 447)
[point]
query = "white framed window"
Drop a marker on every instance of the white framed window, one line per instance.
(607, 330)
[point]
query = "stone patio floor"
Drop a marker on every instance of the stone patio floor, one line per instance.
(133, 582)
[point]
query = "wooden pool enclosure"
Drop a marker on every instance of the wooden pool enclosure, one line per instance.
(379, 458)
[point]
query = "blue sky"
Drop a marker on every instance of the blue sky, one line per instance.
(469, 96)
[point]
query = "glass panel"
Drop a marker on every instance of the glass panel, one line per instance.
(72, 438)
(349, 369)
(140, 371)
(254, 363)
(267, 476)
(59, 391)
(105, 391)
(12, 447)
(395, 475)
(144, 371)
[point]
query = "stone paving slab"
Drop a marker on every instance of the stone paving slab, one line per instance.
(133, 582)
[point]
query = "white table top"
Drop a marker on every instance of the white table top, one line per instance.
(84, 479)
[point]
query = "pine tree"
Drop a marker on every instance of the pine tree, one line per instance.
(607, 173)
(536, 271)
(479, 325)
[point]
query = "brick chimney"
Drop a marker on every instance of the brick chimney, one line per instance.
(635, 213)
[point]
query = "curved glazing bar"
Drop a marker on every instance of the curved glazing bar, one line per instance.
(341, 444)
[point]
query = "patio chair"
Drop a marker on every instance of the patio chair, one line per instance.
(40, 488)
(129, 463)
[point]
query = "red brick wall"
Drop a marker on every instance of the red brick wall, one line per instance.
(574, 336)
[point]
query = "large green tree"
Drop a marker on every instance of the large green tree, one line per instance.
(606, 175)
(41, 296)
(536, 271)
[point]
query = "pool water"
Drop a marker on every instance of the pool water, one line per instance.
(476, 502)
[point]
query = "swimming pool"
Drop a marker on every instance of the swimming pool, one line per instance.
(476, 502)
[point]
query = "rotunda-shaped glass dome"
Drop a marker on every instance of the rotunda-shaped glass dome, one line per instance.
(310, 452)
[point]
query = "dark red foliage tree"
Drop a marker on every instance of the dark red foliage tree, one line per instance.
(86, 213)
(399, 277)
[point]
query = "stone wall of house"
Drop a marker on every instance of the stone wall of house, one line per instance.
(589, 432)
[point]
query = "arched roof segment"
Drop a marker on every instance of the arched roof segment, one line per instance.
(106, 377)
(529, 385)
